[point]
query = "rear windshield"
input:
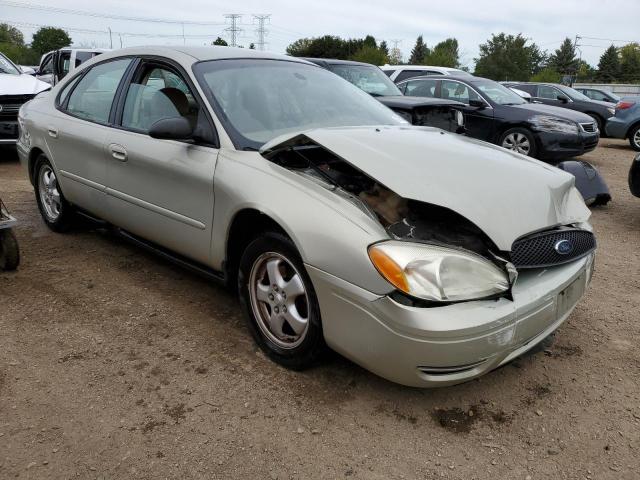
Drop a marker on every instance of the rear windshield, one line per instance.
(368, 78)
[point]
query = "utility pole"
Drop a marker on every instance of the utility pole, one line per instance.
(233, 29)
(110, 39)
(261, 31)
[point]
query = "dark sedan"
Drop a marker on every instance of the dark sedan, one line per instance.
(433, 112)
(598, 94)
(566, 97)
(496, 114)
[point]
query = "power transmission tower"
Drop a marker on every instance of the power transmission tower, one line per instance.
(261, 31)
(233, 29)
(395, 56)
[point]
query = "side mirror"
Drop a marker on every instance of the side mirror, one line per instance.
(562, 99)
(173, 128)
(477, 103)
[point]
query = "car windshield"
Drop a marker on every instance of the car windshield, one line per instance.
(368, 78)
(260, 99)
(573, 94)
(7, 66)
(498, 93)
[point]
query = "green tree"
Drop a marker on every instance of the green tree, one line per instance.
(419, 51)
(586, 73)
(444, 54)
(220, 41)
(252, 46)
(329, 46)
(49, 38)
(508, 57)
(564, 60)
(609, 65)
(547, 75)
(385, 48)
(369, 54)
(19, 54)
(630, 63)
(9, 34)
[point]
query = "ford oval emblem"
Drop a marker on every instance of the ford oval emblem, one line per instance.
(563, 247)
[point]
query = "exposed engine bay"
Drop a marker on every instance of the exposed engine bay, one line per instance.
(402, 218)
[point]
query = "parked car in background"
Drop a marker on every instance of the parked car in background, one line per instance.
(398, 73)
(412, 271)
(495, 114)
(566, 97)
(626, 122)
(598, 94)
(417, 111)
(55, 65)
(16, 88)
(521, 93)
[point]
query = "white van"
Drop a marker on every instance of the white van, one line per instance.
(56, 64)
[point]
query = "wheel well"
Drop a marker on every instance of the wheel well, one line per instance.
(594, 114)
(246, 226)
(33, 156)
(500, 132)
(633, 125)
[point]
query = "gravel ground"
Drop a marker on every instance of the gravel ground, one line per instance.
(116, 364)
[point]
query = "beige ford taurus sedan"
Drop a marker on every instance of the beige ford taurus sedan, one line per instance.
(424, 256)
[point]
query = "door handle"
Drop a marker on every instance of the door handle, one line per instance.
(118, 152)
(53, 132)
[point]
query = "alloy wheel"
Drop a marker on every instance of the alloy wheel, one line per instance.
(49, 193)
(636, 138)
(518, 142)
(279, 300)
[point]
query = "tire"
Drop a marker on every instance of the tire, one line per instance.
(599, 122)
(9, 250)
(279, 302)
(56, 212)
(634, 138)
(519, 140)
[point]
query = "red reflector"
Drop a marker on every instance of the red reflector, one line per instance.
(624, 105)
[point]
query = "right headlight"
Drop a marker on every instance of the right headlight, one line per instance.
(547, 123)
(437, 273)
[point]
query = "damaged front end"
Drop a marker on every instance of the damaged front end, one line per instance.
(434, 256)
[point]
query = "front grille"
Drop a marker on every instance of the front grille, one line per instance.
(10, 104)
(542, 249)
(589, 127)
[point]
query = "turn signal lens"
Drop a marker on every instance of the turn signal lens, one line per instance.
(389, 269)
(624, 105)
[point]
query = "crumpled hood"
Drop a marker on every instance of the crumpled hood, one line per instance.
(505, 194)
(21, 84)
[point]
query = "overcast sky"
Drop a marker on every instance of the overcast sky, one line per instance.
(546, 22)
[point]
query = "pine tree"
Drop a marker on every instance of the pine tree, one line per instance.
(564, 59)
(418, 53)
(609, 65)
(384, 48)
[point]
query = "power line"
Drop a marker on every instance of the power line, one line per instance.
(261, 31)
(233, 30)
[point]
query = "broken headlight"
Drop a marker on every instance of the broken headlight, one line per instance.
(547, 123)
(436, 273)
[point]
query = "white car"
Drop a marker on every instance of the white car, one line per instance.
(398, 73)
(58, 63)
(16, 88)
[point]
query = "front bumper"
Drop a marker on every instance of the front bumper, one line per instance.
(556, 146)
(430, 347)
(8, 132)
(617, 127)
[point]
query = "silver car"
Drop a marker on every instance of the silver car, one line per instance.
(424, 256)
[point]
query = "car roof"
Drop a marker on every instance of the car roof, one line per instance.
(462, 78)
(335, 61)
(421, 67)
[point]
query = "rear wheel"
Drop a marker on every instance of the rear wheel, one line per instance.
(56, 212)
(280, 303)
(9, 251)
(519, 140)
(634, 138)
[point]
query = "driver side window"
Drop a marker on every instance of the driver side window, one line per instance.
(47, 66)
(550, 93)
(452, 90)
(159, 93)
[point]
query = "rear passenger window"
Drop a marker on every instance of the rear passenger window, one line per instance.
(91, 99)
(421, 88)
(403, 75)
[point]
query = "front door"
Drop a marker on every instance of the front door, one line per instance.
(162, 190)
(478, 121)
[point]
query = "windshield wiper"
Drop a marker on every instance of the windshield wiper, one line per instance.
(250, 149)
(374, 94)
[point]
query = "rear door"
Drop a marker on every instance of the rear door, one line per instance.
(478, 121)
(76, 133)
(162, 190)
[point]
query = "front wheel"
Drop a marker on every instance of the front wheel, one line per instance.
(599, 123)
(519, 140)
(279, 301)
(9, 250)
(634, 138)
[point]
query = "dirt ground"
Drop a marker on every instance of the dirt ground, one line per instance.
(116, 364)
